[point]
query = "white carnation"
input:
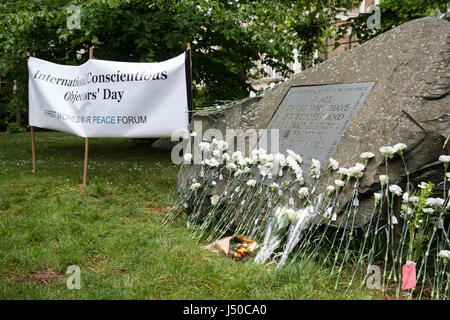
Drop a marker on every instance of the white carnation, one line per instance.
(395, 189)
(333, 164)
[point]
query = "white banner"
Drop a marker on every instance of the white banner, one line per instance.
(110, 99)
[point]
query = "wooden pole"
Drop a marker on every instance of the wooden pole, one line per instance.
(33, 150)
(86, 153)
(86, 141)
(33, 145)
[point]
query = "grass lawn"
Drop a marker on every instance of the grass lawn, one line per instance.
(113, 231)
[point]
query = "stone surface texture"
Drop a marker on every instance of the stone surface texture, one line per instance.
(408, 104)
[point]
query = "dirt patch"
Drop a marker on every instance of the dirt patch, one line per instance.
(45, 275)
(158, 209)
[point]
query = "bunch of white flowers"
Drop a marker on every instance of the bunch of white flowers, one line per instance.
(282, 217)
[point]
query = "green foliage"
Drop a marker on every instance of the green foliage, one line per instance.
(227, 37)
(14, 127)
(393, 13)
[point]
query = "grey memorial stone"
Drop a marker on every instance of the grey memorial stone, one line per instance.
(409, 103)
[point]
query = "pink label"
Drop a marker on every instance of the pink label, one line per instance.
(409, 275)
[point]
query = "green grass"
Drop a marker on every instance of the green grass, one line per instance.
(113, 230)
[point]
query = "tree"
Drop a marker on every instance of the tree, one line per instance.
(227, 37)
(392, 13)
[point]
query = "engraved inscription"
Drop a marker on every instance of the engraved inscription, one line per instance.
(312, 119)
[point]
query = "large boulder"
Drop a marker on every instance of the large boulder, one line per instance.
(409, 103)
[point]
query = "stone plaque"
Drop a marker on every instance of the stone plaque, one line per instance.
(312, 119)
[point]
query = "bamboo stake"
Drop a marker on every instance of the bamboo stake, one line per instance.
(86, 141)
(86, 152)
(33, 150)
(33, 145)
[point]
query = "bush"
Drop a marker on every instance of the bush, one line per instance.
(14, 127)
